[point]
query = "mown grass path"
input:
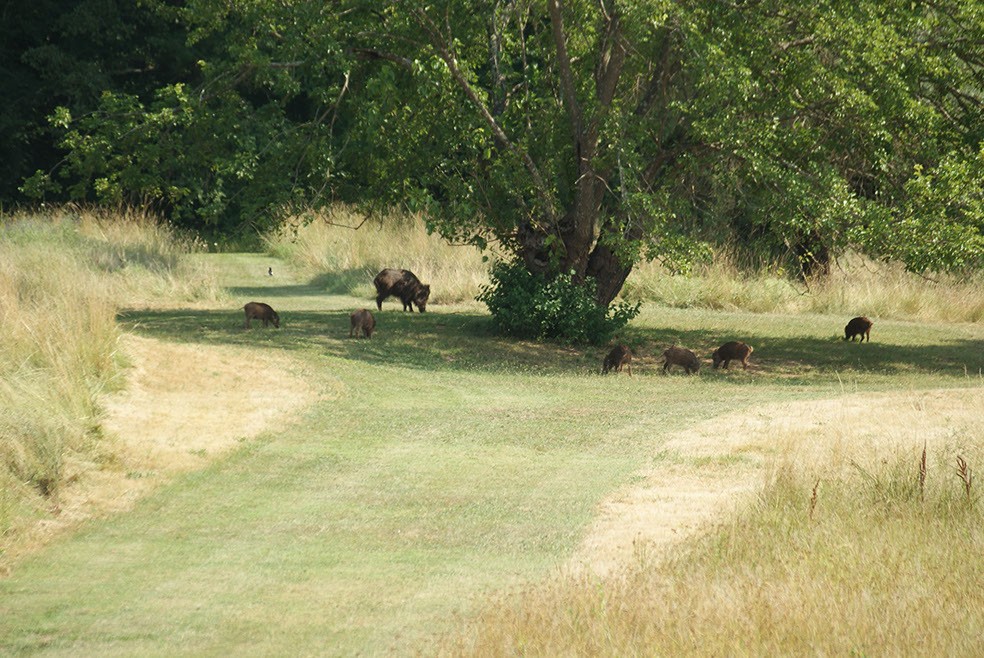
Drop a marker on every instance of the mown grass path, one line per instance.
(441, 463)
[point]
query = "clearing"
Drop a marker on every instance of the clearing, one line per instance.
(295, 491)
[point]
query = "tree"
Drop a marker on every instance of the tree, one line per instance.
(66, 53)
(231, 140)
(582, 135)
(585, 135)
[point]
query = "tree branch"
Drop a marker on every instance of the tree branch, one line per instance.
(610, 59)
(440, 45)
(796, 43)
(369, 54)
(564, 66)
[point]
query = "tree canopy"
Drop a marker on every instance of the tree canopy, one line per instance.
(583, 135)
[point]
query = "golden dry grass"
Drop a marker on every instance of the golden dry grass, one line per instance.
(343, 242)
(857, 286)
(65, 275)
(873, 568)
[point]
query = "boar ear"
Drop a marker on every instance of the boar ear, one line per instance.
(427, 288)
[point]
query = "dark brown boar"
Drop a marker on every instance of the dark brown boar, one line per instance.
(681, 356)
(859, 326)
(261, 311)
(403, 284)
(618, 357)
(732, 350)
(362, 322)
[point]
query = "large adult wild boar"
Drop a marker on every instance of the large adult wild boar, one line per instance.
(261, 311)
(859, 326)
(362, 322)
(403, 284)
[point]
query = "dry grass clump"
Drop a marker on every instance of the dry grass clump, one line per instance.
(64, 277)
(348, 258)
(852, 547)
(152, 263)
(856, 284)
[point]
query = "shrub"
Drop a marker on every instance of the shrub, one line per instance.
(528, 305)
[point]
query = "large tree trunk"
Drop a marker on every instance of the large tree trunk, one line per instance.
(579, 226)
(608, 272)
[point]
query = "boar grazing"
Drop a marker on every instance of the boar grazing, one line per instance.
(681, 357)
(618, 357)
(732, 350)
(860, 326)
(261, 311)
(362, 322)
(403, 284)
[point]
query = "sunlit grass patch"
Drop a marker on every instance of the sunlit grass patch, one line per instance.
(345, 251)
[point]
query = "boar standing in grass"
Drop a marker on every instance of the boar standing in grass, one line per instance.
(362, 322)
(261, 311)
(732, 350)
(403, 284)
(681, 356)
(859, 326)
(618, 357)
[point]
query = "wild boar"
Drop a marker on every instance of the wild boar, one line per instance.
(681, 357)
(732, 350)
(261, 311)
(618, 357)
(403, 284)
(362, 322)
(859, 326)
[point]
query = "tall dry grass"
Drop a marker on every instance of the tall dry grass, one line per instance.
(852, 547)
(856, 286)
(64, 276)
(349, 258)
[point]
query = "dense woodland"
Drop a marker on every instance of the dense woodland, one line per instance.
(581, 135)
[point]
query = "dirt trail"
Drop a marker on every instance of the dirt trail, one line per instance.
(708, 471)
(183, 406)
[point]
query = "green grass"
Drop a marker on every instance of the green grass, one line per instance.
(444, 463)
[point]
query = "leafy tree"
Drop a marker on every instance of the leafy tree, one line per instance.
(585, 135)
(66, 53)
(235, 137)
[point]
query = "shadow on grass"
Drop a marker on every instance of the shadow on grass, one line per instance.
(344, 282)
(466, 341)
(261, 293)
(416, 340)
(785, 356)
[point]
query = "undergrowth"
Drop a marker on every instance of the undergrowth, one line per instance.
(65, 275)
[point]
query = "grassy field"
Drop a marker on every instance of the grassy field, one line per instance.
(433, 498)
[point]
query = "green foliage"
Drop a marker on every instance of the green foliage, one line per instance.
(792, 132)
(238, 131)
(68, 53)
(527, 305)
